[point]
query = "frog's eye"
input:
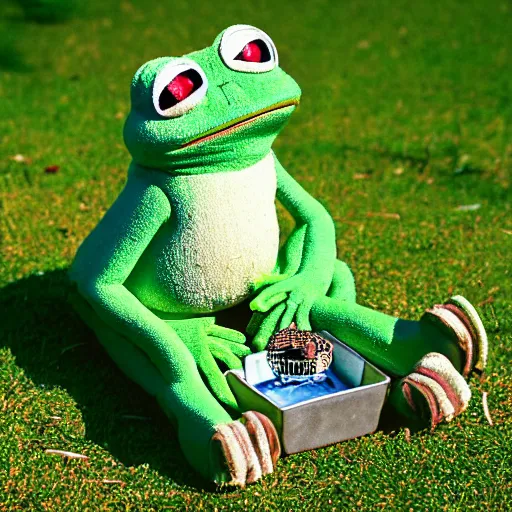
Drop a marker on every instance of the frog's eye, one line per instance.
(249, 49)
(178, 88)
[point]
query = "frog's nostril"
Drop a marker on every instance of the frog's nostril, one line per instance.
(221, 87)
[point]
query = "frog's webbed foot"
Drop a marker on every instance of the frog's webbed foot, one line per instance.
(458, 316)
(435, 389)
(249, 449)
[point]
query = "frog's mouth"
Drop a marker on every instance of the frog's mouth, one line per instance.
(234, 124)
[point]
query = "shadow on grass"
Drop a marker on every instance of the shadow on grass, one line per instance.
(17, 15)
(11, 58)
(55, 349)
(45, 12)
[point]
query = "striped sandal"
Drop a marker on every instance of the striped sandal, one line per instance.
(249, 449)
(445, 390)
(460, 317)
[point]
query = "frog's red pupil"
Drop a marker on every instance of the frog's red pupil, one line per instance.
(181, 87)
(251, 52)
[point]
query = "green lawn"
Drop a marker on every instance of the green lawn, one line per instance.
(406, 116)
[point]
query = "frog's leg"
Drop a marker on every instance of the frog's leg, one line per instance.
(343, 286)
(393, 344)
(223, 450)
(400, 346)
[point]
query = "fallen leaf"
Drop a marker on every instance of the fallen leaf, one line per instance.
(51, 169)
(71, 347)
(135, 417)
(463, 164)
(18, 158)
(468, 207)
(361, 176)
(385, 215)
(64, 453)
(486, 408)
(489, 300)
(507, 231)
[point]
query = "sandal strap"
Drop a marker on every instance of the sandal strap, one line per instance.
(477, 328)
(443, 317)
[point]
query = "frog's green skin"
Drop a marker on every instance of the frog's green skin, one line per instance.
(195, 231)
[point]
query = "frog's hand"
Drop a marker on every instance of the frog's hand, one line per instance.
(105, 260)
(210, 343)
(268, 279)
(263, 325)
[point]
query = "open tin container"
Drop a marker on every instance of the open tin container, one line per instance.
(322, 420)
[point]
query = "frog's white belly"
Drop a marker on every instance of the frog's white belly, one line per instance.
(223, 235)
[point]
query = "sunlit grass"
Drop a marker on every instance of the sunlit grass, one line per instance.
(405, 117)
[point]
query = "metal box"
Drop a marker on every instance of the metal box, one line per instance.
(327, 419)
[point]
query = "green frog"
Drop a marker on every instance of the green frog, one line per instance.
(195, 233)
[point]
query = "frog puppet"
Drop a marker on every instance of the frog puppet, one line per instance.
(194, 235)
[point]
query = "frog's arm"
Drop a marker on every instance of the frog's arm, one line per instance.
(105, 260)
(317, 258)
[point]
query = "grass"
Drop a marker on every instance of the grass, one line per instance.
(406, 116)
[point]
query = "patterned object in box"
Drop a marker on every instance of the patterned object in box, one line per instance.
(298, 353)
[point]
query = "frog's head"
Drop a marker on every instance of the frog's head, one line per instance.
(218, 108)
